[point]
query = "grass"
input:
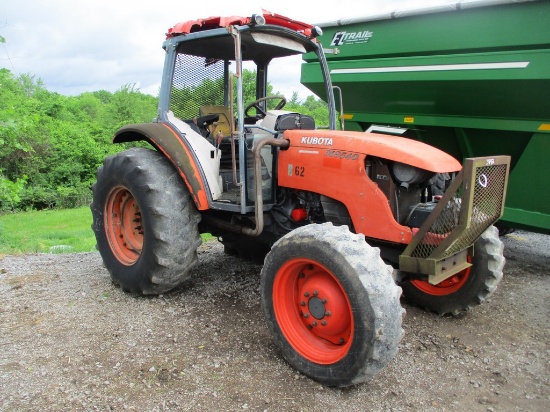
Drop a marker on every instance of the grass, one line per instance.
(49, 231)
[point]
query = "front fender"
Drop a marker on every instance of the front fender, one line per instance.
(166, 140)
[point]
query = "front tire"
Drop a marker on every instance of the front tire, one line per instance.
(468, 288)
(145, 223)
(331, 304)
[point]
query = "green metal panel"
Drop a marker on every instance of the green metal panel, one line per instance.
(520, 92)
(503, 27)
(528, 199)
(473, 82)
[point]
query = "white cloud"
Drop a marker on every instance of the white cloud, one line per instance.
(78, 46)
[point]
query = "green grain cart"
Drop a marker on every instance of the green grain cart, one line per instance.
(471, 78)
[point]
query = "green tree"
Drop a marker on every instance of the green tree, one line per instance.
(51, 145)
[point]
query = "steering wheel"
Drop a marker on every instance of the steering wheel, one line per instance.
(261, 113)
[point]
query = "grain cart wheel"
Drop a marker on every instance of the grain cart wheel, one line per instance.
(438, 184)
(467, 288)
(331, 304)
(144, 222)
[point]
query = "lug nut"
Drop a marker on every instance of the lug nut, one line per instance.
(314, 323)
(315, 293)
(306, 315)
(306, 294)
(323, 301)
(302, 303)
(341, 340)
(328, 313)
(324, 323)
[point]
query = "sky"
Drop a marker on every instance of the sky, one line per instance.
(75, 46)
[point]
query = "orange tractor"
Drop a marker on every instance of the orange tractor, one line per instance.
(346, 220)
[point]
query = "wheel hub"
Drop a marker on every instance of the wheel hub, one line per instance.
(313, 311)
(316, 308)
(123, 225)
(323, 305)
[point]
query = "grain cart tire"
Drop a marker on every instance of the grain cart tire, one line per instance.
(467, 288)
(331, 304)
(438, 184)
(504, 230)
(145, 222)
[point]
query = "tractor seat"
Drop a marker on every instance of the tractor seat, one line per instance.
(201, 124)
(223, 124)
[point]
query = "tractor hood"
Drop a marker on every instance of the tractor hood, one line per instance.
(395, 148)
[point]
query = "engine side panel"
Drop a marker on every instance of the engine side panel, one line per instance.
(321, 166)
(333, 164)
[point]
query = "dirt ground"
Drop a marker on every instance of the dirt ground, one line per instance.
(70, 340)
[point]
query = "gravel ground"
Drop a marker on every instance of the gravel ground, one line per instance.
(71, 340)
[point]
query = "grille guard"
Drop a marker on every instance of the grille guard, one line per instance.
(473, 202)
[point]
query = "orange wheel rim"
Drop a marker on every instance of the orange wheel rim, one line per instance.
(123, 225)
(446, 287)
(313, 311)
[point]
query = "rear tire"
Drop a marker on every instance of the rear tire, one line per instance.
(331, 304)
(467, 288)
(145, 223)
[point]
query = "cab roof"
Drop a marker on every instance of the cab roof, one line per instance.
(209, 23)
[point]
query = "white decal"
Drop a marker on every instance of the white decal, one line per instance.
(342, 154)
(354, 37)
(482, 180)
(490, 162)
(434, 68)
(321, 141)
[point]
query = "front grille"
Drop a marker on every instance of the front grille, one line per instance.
(487, 206)
(473, 202)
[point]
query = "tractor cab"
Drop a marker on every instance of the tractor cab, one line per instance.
(221, 114)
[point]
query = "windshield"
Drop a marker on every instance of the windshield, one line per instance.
(203, 63)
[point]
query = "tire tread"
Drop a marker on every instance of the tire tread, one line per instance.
(376, 278)
(165, 201)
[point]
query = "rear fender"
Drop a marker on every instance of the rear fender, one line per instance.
(166, 140)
